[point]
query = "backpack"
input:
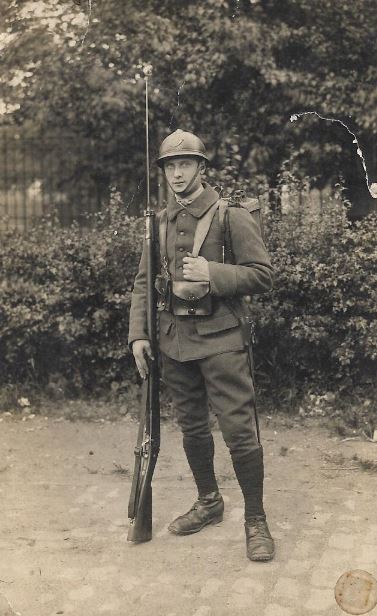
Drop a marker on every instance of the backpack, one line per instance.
(237, 199)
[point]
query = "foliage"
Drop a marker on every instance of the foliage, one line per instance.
(318, 328)
(64, 300)
(232, 70)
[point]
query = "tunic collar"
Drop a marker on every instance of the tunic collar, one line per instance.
(198, 207)
(187, 201)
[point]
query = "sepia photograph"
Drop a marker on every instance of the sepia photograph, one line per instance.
(188, 307)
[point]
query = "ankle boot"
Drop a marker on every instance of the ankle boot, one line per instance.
(206, 510)
(259, 543)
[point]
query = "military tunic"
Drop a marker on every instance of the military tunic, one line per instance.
(192, 337)
(204, 361)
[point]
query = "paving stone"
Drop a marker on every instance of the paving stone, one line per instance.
(286, 587)
(350, 504)
(203, 610)
(237, 514)
(241, 601)
(128, 582)
(312, 532)
(259, 570)
(331, 559)
(324, 578)
(110, 606)
(367, 554)
(341, 541)
(304, 549)
(82, 593)
(248, 585)
(297, 567)
(319, 518)
(284, 525)
(210, 588)
(5, 607)
(274, 609)
(320, 599)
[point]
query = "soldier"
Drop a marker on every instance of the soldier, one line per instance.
(204, 359)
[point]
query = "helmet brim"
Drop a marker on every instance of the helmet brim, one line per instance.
(182, 153)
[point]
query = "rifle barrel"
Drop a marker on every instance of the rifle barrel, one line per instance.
(147, 140)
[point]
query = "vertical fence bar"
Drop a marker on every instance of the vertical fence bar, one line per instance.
(24, 184)
(6, 176)
(14, 190)
(44, 183)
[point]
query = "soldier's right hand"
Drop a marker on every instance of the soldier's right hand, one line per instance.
(141, 349)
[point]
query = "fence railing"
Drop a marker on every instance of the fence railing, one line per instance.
(72, 176)
(55, 171)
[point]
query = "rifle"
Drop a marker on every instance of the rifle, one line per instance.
(148, 440)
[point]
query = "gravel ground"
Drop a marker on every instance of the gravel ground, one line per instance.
(64, 490)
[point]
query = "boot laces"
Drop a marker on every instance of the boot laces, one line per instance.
(260, 526)
(202, 500)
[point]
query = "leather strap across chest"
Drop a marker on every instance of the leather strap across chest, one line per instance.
(201, 231)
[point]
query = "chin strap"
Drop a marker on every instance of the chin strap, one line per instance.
(192, 179)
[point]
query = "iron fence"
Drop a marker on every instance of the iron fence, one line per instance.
(73, 176)
(57, 172)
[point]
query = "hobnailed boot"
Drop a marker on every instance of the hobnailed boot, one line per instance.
(206, 510)
(259, 543)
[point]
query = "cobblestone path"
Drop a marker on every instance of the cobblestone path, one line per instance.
(64, 525)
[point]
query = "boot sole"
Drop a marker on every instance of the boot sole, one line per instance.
(196, 530)
(262, 558)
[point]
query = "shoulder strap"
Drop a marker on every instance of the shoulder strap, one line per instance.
(201, 231)
(202, 228)
(162, 233)
(223, 206)
(225, 231)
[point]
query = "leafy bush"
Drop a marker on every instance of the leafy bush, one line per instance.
(65, 297)
(64, 302)
(318, 328)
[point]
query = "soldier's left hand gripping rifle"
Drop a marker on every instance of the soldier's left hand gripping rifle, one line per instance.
(148, 440)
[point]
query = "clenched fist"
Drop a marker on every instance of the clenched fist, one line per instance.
(195, 269)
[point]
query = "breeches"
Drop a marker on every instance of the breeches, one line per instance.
(222, 382)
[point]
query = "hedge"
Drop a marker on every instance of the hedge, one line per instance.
(65, 297)
(317, 330)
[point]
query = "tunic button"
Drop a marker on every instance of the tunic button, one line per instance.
(183, 214)
(181, 249)
(181, 233)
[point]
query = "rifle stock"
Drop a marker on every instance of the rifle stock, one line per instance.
(148, 440)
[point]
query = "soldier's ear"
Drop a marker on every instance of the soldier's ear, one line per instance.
(202, 167)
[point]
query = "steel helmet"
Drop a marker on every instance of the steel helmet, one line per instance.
(181, 143)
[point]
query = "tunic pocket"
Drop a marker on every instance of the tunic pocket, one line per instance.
(165, 323)
(217, 324)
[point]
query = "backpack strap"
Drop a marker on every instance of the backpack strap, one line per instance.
(202, 228)
(162, 234)
(225, 231)
(251, 205)
(201, 232)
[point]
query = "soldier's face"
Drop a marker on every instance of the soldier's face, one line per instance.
(184, 174)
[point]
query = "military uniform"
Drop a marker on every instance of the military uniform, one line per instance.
(204, 360)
